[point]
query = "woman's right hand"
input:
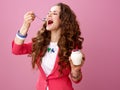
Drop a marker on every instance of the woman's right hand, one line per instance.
(29, 17)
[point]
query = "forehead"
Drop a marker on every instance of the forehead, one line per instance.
(55, 9)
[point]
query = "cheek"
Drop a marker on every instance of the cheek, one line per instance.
(57, 21)
(57, 24)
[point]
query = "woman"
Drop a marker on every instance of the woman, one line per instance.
(51, 48)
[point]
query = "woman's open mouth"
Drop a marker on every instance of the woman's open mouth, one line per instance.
(50, 22)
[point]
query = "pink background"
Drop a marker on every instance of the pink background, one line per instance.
(100, 26)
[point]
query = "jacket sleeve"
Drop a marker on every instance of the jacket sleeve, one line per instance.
(21, 49)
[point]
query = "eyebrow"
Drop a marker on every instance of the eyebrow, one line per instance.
(53, 11)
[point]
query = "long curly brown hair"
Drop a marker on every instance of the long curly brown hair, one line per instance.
(70, 38)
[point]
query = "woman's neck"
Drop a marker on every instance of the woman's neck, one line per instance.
(55, 35)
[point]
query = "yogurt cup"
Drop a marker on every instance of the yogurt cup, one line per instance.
(76, 57)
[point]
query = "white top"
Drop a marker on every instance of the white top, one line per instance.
(48, 61)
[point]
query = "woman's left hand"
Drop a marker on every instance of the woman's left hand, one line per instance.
(76, 74)
(77, 67)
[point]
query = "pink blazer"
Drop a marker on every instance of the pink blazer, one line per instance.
(54, 81)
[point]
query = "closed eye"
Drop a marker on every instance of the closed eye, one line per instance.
(54, 13)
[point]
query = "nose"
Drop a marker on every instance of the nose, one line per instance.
(49, 14)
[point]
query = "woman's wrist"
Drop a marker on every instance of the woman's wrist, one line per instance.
(22, 33)
(24, 29)
(26, 24)
(21, 36)
(76, 75)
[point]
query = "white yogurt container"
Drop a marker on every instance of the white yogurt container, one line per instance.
(76, 57)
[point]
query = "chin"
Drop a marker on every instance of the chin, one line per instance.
(48, 29)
